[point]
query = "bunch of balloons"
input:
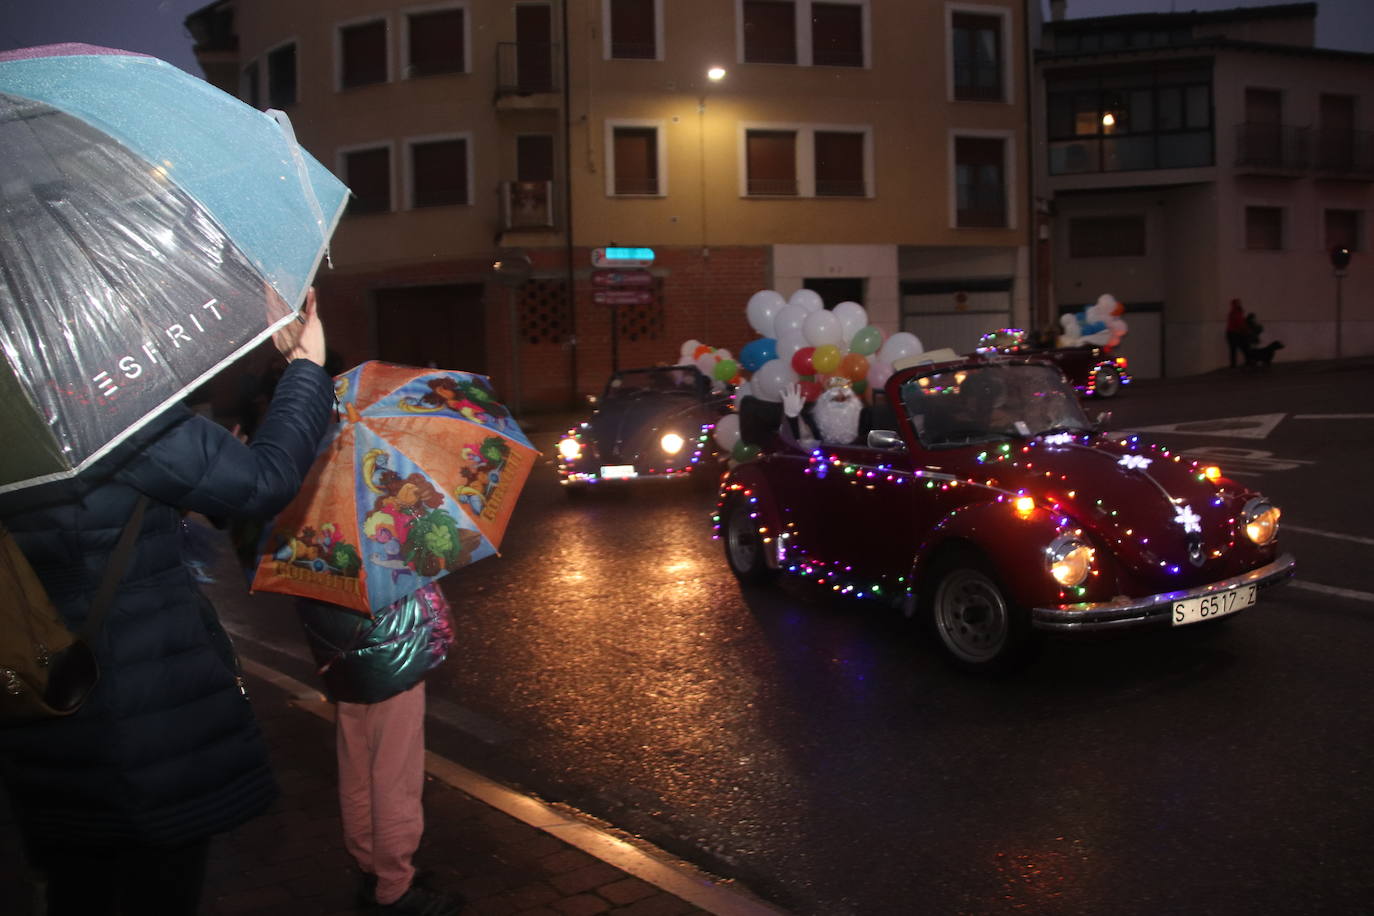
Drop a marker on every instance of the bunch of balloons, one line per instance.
(803, 343)
(717, 364)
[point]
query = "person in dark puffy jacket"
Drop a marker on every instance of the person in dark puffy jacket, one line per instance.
(373, 671)
(117, 802)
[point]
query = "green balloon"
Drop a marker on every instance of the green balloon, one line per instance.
(725, 370)
(866, 341)
(744, 451)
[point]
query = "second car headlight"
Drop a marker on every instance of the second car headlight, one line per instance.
(671, 443)
(569, 449)
(1069, 560)
(1261, 520)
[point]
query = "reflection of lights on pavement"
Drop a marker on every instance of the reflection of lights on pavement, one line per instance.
(680, 567)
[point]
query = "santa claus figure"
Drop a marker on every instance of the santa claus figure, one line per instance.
(836, 414)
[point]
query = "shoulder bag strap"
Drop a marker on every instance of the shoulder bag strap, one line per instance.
(114, 571)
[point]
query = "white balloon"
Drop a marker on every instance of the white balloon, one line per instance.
(727, 431)
(808, 299)
(687, 354)
(852, 317)
(763, 305)
(899, 346)
(771, 378)
(743, 388)
(821, 328)
(787, 346)
(788, 320)
(706, 362)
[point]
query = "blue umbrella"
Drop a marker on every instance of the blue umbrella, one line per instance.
(152, 230)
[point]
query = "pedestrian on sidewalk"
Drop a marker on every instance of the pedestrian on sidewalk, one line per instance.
(373, 671)
(1237, 333)
(117, 802)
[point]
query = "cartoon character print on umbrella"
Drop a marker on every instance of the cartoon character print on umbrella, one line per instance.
(321, 550)
(407, 528)
(470, 396)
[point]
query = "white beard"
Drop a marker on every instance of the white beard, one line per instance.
(837, 420)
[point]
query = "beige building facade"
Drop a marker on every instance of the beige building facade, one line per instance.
(1189, 159)
(873, 150)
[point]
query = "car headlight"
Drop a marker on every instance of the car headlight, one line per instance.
(1069, 560)
(569, 449)
(671, 443)
(1261, 520)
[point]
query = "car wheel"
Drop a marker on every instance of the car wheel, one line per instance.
(744, 547)
(978, 626)
(1108, 382)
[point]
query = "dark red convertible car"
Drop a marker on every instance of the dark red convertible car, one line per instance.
(986, 503)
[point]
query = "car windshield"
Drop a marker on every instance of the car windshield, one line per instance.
(666, 379)
(987, 403)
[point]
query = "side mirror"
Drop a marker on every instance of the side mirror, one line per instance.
(885, 438)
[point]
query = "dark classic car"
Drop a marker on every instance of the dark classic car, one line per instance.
(988, 504)
(1095, 372)
(653, 423)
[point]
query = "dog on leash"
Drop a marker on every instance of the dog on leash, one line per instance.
(1262, 356)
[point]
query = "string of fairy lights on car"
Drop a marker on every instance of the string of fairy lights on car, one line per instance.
(1069, 555)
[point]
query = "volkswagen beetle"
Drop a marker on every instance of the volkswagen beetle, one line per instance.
(1094, 372)
(987, 503)
(650, 424)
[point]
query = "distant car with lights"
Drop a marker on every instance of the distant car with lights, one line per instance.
(650, 424)
(986, 504)
(1095, 372)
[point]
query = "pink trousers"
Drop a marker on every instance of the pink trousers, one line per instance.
(381, 749)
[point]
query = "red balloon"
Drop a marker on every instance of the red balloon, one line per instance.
(801, 361)
(811, 390)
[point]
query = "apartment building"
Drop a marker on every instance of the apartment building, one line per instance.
(873, 150)
(1188, 159)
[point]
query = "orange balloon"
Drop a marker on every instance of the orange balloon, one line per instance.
(701, 351)
(854, 367)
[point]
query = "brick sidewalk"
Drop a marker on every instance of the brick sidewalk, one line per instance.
(291, 861)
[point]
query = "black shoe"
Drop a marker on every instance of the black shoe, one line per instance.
(367, 888)
(420, 901)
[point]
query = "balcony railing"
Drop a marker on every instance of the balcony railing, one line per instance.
(1273, 146)
(527, 68)
(527, 204)
(1186, 149)
(1346, 153)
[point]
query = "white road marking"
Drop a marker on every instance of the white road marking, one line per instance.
(1333, 416)
(638, 858)
(1255, 426)
(1332, 590)
(1328, 534)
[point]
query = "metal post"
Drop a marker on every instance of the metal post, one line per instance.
(1340, 275)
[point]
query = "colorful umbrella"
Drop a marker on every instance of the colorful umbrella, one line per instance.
(418, 477)
(152, 230)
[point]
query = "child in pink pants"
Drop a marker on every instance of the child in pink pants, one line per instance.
(373, 670)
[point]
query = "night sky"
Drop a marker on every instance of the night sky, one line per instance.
(155, 26)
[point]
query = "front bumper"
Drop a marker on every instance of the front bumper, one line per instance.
(1153, 610)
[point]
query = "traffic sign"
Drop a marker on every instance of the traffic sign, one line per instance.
(622, 296)
(618, 279)
(622, 257)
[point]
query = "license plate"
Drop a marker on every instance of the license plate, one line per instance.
(1194, 610)
(617, 471)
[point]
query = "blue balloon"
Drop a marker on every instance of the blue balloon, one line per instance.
(757, 352)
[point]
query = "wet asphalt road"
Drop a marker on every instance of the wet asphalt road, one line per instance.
(818, 750)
